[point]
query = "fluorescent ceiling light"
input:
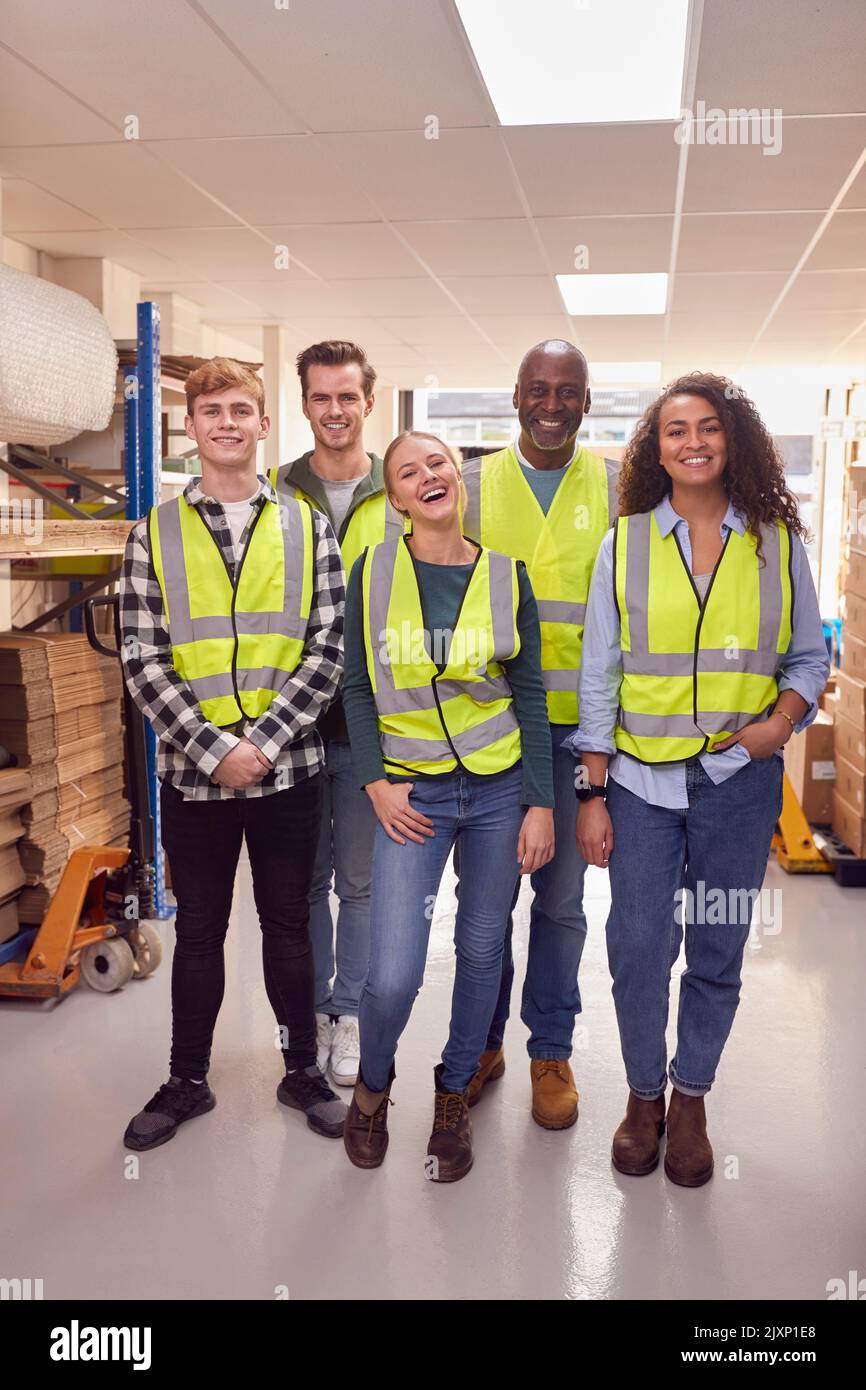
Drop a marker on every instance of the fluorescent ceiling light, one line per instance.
(613, 294)
(632, 373)
(568, 62)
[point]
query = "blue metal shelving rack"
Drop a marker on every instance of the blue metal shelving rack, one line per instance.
(142, 445)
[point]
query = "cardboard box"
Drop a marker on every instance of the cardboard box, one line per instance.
(851, 785)
(811, 769)
(8, 919)
(854, 624)
(851, 700)
(857, 508)
(855, 574)
(854, 657)
(849, 826)
(850, 743)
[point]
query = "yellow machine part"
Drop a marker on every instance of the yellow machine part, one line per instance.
(795, 848)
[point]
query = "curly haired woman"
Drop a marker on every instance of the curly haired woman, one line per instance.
(703, 653)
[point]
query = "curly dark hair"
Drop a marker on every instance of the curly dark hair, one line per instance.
(755, 474)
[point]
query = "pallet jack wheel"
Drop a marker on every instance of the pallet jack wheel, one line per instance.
(145, 943)
(107, 965)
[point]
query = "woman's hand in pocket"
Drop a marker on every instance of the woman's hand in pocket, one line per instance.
(536, 842)
(761, 739)
(395, 814)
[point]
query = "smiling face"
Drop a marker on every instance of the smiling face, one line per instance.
(226, 426)
(335, 405)
(692, 442)
(552, 396)
(423, 480)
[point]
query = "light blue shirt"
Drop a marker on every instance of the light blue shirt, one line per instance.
(803, 668)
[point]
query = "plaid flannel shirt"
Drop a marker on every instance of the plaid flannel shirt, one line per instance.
(190, 747)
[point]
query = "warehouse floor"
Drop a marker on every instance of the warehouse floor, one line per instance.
(247, 1199)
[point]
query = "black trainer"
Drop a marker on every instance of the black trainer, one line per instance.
(176, 1101)
(308, 1090)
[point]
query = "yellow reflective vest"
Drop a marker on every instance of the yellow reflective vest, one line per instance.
(437, 715)
(372, 521)
(693, 672)
(234, 644)
(558, 549)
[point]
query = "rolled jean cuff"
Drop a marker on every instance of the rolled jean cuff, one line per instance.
(688, 1088)
(649, 1092)
(560, 1054)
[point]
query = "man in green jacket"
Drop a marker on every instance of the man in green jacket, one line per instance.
(339, 478)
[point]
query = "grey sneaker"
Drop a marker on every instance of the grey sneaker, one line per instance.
(308, 1090)
(176, 1101)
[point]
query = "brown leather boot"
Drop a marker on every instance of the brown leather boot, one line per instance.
(554, 1094)
(365, 1132)
(449, 1150)
(636, 1143)
(490, 1068)
(688, 1156)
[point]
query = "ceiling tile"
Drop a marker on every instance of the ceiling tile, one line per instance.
(119, 184)
(606, 245)
(502, 246)
(33, 111)
(506, 294)
(828, 289)
(27, 208)
(711, 294)
(601, 170)
(843, 245)
(749, 51)
(744, 241)
(347, 250)
(410, 178)
(386, 66)
(815, 158)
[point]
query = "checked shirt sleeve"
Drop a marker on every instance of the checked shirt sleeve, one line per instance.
(313, 685)
(163, 696)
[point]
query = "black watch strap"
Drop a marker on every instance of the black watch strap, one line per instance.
(587, 793)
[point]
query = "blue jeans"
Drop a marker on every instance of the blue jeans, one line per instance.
(720, 842)
(344, 856)
(483, 816)
(557, 930)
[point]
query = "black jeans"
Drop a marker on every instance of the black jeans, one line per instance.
(203, 842)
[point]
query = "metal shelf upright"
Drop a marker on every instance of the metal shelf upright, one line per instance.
(142, 443)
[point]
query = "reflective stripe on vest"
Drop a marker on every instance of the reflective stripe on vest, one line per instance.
(693, 674)
(374, 520)
(433, 718)
(558, 549)
(234, 645)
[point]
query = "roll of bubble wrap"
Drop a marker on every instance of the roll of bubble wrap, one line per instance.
(58, 363)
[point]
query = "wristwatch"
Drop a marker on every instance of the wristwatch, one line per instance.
(587, 793)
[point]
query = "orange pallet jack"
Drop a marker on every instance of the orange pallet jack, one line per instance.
(96, 926)
(793, 843)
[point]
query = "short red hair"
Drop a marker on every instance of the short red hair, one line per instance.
(220, 374)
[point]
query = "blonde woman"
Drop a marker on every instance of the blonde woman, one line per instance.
(447, 718)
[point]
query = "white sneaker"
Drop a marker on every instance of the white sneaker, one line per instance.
(345, 1051)
(324, 1040)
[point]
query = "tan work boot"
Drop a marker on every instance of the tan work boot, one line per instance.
(490, 1068)
(365, 1132)
(636, 1143)
(689, 1155)
(554, 1094)
(449, 1151)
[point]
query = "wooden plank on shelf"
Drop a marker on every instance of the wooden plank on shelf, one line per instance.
(54, 537)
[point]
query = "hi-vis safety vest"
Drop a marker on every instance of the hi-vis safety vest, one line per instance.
(373, 521)
(434, 717)
(235, 645)
(558, 549)
(695, 673)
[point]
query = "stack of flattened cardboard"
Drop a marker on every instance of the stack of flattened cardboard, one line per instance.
(60, 713)
(15, 792)
(849, 798)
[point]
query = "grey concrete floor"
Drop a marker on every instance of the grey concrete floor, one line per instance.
(247, 1199)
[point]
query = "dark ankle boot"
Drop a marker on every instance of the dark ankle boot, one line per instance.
(365, 1133)
(688, 1156)
(449, 1151)
(636, 1143)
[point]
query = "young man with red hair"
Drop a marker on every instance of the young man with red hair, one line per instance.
(232, 616)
